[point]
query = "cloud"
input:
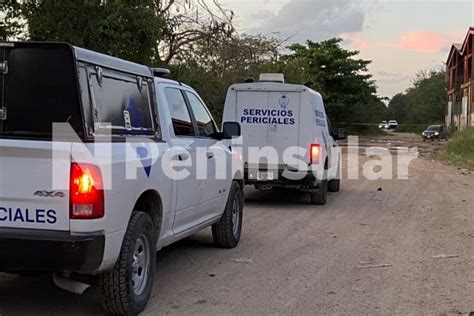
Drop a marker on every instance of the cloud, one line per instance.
(315, 19)
(426, 42)
(392, 76)
(355, 41)
(261, 15)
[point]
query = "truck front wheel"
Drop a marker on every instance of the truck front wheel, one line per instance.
(226, 233)
(125, 290)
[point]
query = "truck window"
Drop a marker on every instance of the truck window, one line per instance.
(182, 123)
(117, 96)
(205, 124)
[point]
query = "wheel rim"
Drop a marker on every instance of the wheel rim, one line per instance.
(140, 265)
(235, 217)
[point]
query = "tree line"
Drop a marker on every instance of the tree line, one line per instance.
(198, 41)
(424, 103)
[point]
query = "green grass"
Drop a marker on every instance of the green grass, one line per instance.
(460, 149)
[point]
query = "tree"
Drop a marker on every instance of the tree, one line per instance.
(343, 80)
(240, 54)
(398, 108)
(128, 29)
(11, 24)
(211, 67)
(190, 21)
(424, 102)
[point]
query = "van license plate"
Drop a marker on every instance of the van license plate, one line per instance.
(264, 176)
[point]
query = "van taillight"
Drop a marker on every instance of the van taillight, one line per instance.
(86, 192)
(315, 153)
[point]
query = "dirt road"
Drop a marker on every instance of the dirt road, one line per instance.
(380, 247)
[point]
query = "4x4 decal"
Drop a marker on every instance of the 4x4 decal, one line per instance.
(51, 194)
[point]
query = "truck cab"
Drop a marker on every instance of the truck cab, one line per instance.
(102, 164)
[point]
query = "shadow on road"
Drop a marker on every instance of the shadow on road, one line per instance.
(37, 295)
(281, 198)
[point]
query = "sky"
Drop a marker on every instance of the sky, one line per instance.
(401, 37)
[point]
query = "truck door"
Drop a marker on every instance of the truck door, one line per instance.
(189, 189)
(212, 158)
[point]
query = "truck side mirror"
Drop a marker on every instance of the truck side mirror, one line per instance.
(341, 134)
(231, 130)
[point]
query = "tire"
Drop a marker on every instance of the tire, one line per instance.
(320, 197)
(334, 185)
(226, 233)
(125, 289)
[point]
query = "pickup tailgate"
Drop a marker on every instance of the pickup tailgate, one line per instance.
(27, 197)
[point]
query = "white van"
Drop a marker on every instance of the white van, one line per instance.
(287, 137)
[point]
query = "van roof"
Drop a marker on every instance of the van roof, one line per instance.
(266, 86)
(272, 86)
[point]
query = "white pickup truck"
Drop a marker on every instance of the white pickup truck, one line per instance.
(115, 178)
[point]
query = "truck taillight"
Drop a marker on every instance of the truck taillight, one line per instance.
(315, 153)
(86, 192)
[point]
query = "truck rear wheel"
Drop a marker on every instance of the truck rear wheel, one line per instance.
(320, 197)
(125, 290)
(226, 233)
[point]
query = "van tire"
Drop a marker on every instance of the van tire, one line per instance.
(320, 197)
(334, 185)
(226, 233)
(116, 287)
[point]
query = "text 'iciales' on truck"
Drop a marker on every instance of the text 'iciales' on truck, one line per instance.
(67, 204)
(287, 137)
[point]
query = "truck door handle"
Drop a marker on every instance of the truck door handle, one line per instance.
(183, 157)
(210, 155)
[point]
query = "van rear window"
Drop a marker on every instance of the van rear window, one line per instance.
(39, 89)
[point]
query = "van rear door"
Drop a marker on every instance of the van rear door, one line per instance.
(254, 132)
(269, 116)
(283, 130)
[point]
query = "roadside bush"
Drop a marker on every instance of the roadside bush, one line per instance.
(460, 149)
(462, 143)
